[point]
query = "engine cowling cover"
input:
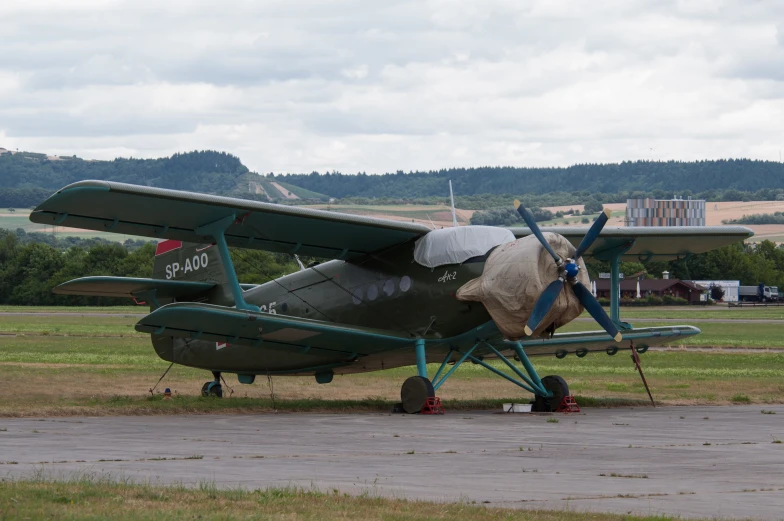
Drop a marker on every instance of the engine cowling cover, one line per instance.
(514, 276)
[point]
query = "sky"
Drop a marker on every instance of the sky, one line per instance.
(296, 86)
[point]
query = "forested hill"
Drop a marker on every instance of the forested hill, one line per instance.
(27, 179)
(644, 176)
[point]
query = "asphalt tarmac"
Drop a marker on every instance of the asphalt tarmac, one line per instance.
(722, 462)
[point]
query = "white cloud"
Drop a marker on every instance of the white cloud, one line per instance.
(369, 86)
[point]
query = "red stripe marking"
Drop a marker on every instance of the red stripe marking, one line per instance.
(167, 246)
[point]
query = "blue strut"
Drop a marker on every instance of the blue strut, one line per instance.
(421, 359)
(531, 383)
(216, 230)
(613, 256)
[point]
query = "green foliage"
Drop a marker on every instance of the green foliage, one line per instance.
(593, 206)
(508, 216)
(716, 293)
(258, 267)
(63, 242)
(748, 263)
(30, 270)
(759, 218)
(730, 180)
(26, 179)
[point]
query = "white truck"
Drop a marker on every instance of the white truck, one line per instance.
(760, 293)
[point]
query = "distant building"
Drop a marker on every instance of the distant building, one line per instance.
(730, 287)
(653, 287)
(665, 212)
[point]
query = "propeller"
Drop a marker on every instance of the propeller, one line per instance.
(567, 273)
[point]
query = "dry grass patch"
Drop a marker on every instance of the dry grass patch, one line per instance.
(97, 500)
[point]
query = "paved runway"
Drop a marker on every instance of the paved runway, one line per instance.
(688, 461)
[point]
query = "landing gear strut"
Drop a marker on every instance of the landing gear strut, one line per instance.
(214, 387)
(557, 386)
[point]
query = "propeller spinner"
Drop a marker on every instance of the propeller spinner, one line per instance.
(567, 273)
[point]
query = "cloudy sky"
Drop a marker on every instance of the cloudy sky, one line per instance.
(366, 85)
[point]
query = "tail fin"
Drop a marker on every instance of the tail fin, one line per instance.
(177, 260)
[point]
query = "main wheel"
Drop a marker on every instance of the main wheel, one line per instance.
(558, 387)
(212, 388)
(415, 392)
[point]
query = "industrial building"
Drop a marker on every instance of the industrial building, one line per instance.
(665, 212)
(730, 287)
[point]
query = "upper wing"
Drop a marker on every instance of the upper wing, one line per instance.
(651, 242)
(172, 214)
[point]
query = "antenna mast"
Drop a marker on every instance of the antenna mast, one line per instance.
(452, 198)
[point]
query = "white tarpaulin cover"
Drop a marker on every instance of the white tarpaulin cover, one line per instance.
(514, 276)
(457, 245)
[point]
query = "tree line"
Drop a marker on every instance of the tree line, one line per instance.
(758, 218)
(707, 178)
(29, 270)
(26, 179)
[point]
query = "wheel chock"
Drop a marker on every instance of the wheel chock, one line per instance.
(568, 404)
(433, 406)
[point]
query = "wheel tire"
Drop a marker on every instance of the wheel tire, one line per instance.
(558, 387)
(212, 389)
(415, 392)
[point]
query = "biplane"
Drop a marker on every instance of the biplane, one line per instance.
(389, 296)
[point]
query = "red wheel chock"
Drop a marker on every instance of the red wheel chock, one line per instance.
(568, 405)
(433, 406)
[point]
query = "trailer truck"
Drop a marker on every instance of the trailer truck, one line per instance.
(760, 293)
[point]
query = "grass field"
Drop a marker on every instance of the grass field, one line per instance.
(62, 365)
(91, 498)
(119, 323)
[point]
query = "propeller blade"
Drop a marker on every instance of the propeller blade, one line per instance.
(543, 305)
(529, 220)
(595, 309)
(593, 233)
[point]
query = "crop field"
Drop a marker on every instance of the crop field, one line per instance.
(98, 364)
(20, 219)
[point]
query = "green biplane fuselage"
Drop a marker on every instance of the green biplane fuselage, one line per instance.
(386, 292)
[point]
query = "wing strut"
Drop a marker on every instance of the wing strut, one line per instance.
(613, 256)
(216, 230)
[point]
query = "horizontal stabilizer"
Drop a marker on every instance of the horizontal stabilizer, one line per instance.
(132, 287)
(233, 326)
